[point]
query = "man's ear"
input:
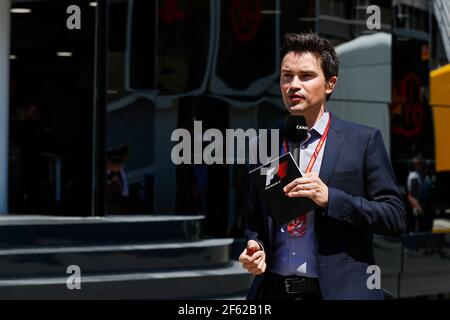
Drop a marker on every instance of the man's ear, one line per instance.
(331, 84)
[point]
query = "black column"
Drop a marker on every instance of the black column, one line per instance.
(99, 131)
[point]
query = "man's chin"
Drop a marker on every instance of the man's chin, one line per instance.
(296, 110)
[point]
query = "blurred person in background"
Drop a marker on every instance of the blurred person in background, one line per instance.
(419, 186)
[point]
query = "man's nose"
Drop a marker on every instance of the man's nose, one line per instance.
(296, 83)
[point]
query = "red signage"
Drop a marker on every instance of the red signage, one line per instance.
(245, 18)
(408, 103)
(170, 13)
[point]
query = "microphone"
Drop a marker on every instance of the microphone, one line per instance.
(295, 128)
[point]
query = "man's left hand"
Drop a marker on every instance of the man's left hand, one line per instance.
(309, 186)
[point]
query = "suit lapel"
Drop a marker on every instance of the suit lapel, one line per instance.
(333, 147)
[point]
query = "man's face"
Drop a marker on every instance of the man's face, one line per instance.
(303, 84)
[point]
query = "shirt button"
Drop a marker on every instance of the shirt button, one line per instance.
(293, 253)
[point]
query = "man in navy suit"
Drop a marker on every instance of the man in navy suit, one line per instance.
(326, 253)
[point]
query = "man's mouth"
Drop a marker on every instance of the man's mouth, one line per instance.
(296, 98)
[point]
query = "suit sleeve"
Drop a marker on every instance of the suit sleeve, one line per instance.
(255, 221)
(381, 211)
(254, 229)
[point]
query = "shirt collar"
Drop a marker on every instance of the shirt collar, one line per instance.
(320, 125)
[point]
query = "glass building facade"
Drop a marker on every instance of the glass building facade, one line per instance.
(92, 110)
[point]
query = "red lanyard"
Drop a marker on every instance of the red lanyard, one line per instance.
(318, 147)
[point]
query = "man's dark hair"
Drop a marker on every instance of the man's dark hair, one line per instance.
(312, 42)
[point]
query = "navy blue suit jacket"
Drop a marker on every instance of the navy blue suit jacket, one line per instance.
(363, 200)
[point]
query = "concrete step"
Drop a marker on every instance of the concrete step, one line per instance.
(53, 261)
(230, 281)
(27, 231)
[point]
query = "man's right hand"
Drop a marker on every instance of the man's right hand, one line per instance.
(253, 258)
